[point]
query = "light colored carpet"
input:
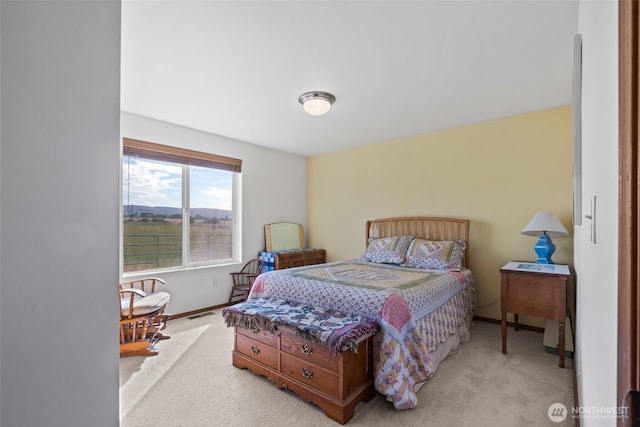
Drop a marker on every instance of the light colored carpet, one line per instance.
(192, 383)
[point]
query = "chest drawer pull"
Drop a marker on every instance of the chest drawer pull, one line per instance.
(255, 350)
(306, 349)
(255, 330)
(306, 372)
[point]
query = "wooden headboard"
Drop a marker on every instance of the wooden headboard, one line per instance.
(428, 228)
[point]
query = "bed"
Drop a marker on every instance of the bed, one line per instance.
(412, 281)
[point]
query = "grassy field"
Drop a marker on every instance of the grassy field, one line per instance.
(155, 244)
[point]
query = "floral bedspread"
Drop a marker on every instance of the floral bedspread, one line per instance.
(400, 300)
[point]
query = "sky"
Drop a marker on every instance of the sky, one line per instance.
(152, 183)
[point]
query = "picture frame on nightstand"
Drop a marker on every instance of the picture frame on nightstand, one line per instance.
(537, 268)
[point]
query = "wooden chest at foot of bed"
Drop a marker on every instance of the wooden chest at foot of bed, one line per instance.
(335, 383)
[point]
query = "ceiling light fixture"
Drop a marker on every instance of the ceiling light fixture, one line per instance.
(316, 103)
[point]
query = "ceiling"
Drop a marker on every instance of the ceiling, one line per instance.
(396, 68)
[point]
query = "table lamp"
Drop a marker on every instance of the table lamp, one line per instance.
(546, 225)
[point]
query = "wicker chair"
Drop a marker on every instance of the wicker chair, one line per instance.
(243, 280)
(142, 316)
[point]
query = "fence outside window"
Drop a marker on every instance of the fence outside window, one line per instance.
(157, 251)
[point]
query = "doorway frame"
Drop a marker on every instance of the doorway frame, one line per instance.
(628, 203)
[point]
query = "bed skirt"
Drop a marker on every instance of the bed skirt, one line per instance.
(450, 345)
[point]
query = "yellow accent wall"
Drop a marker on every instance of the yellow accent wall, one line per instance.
(496, 173)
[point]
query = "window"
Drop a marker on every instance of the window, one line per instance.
(179, 207)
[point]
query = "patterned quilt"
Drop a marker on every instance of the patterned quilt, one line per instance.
(398, 299)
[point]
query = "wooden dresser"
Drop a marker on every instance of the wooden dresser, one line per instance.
(334, 383)
(299, 258)
(292, 258)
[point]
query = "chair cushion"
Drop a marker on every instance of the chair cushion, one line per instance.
(148, 304)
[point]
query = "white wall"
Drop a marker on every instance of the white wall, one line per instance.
(596, 264)
(274, 188)
(59, 213)
(0, 215)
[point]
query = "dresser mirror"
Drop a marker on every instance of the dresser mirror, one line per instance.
(280, 236)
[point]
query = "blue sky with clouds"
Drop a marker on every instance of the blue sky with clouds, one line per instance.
(152, 183)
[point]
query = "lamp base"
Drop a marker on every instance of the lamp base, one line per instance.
(544, 248)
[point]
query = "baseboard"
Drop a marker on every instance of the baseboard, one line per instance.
(198, 311)
(509, 324)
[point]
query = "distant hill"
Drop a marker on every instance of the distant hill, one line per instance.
(168, 211)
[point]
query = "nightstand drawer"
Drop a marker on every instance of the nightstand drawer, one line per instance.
(534, 295)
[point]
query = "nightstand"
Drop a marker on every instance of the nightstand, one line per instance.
(536, 290)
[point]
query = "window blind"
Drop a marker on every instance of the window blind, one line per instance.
(153, 151)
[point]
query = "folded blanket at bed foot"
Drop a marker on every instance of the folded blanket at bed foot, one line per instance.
(337, 330)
